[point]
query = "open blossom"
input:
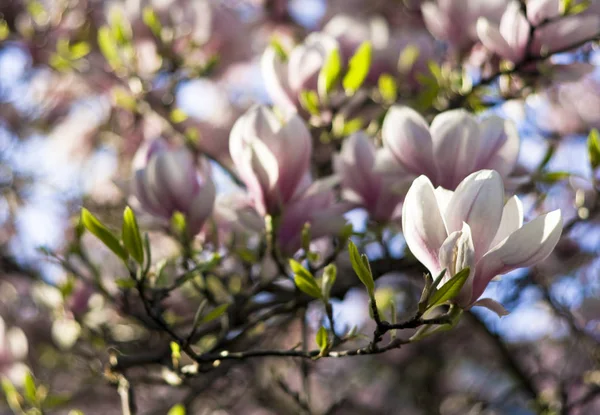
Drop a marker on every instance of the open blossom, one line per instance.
(455, 145)
(470, 228)
(272, 157)
(286, 79)
(361, 184)
(511, 38)
(170, 182)
(455, 21)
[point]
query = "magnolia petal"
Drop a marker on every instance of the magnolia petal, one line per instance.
(443, 197)
(201, 208)
(528, 245)
(540, 10)
(492, 305)
(422, 224)
(565, 32)
(307, 59)
(514, 27)
(176, 175)
(492, 39)
(387, 164)
(478, 201)
(504, 157)
(406, 134)
(294, 156)
(512, 219)
(144, 196)
(455, 136)
(275, 76)
(457, 252)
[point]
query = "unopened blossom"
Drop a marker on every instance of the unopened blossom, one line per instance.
(286, 79)
(170, 182)
(511, 38)
(317, 207)
(455, 21)
(13, 350)
(272, 157)
(361, 184)
(455, 145)
(473, 227)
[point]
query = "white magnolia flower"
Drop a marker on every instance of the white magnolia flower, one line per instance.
(470, 228)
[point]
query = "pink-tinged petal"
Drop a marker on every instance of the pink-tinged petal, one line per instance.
(499, 148)
(422, 224)
(436, 21)
(148, 202)
(177, 177)
(515, 28)
(275, 72)
(540, 10)
(307, 59)
(155, 190)
(200, 208)
(492, 39)
(266, 168)
(566, 32)
(492, 305)
(443, 197)
(406, 134)
(526, 246)
(478, 201)
(294, 155)
(455, 136)
(512, 219)
(457, 253)
(387, 164)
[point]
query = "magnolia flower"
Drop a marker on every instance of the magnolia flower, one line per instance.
(360, 183)
(285, 80)
(511, 38)
(455, 145)
(170, 182)
(13, 350)
(455, 21)
(272, 157)
(315, 206)
(469, 228)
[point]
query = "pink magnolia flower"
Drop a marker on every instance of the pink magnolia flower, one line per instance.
(455, 21)
(272, 157)
(470, 228)
(286, 79)
(361, 184)
(455, 145)
(511, 38)
(170, 182)
(316, 206)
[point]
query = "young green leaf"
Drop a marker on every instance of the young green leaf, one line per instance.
(388, 89)
(132, 239)
(29, 389)
(593, 145)
(450, 289)
(321, 339)
(363, 271)
(297, 268)
(408, 57)
(178, 409)
(329, 73)
(310, 101)
(329, 277)
(214, 313)
(101, 232)
(358, 68)
(307, 285)
(151, 20)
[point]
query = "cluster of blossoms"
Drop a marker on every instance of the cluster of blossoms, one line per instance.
(459, 224)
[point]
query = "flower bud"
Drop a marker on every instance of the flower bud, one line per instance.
(170, 182)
